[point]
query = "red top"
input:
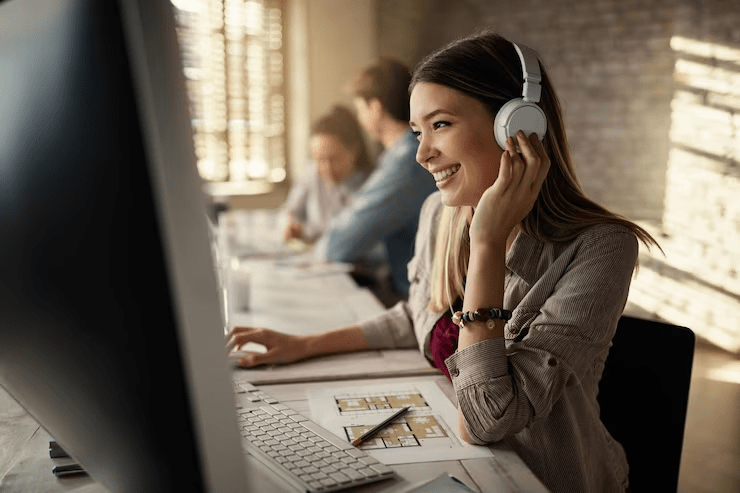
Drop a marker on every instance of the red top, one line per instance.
(443, 342)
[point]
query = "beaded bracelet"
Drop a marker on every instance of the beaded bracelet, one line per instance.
(488, 315)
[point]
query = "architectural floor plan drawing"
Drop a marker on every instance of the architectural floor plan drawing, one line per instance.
(406, 431)
(423, 434)
(348, 404)
(409, 431)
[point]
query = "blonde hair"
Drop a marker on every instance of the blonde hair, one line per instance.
(486, 67)
(451, 255)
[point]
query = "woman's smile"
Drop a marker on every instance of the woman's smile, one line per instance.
(441, 176)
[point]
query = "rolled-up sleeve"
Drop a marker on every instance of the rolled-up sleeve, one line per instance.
(470, 377)
(556, 336)
(392, 329)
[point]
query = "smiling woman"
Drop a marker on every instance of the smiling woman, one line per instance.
(534, 273)
(516, 236)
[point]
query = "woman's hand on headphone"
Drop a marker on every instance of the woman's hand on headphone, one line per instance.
(508, 201)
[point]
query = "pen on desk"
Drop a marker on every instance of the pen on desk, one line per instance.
(372, 431)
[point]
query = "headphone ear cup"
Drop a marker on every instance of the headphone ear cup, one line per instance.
(516, 115)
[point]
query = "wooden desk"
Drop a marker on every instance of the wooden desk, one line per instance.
(282, 300)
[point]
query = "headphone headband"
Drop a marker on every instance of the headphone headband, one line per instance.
(531, 72)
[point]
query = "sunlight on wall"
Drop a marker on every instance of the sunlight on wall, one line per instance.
(704, 49)
(729, 372)
(697, 283)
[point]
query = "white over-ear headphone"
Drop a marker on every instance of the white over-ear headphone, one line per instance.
(523, 113)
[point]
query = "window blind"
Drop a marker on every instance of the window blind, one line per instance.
(234, 66)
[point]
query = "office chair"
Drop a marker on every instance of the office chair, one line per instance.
(643, 395)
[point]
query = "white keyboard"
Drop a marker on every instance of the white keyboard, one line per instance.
(299, 450)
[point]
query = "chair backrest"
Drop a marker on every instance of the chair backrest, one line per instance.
(643, 395)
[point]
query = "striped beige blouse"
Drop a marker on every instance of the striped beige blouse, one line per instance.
(536, 387)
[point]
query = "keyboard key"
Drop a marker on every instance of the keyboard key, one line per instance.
(247, 386)
(340, 477)
(323, 466)
(354, 475)
(368, 473)
(381, 468)
(270, 410)
(316, 485)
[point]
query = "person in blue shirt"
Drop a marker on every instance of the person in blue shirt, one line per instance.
(386, 209)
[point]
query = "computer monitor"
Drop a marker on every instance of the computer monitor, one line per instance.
(110, 328)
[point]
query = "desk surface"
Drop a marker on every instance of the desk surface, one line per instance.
(281, 299)
(25, 464)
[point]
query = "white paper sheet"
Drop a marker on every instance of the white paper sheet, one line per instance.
(424, 434)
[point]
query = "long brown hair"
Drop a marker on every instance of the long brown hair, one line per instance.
(485, 66)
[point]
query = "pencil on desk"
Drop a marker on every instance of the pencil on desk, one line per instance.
(372, 431)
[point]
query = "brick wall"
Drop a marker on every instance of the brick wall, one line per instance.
(697, 284)
(612, 65)
(651, 96)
